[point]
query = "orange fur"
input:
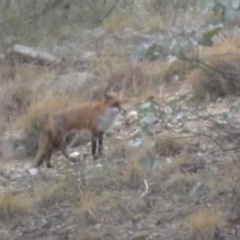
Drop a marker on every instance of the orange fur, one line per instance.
(94, 116)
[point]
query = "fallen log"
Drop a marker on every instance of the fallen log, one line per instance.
(24, 54)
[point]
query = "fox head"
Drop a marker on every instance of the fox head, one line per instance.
(114, 101)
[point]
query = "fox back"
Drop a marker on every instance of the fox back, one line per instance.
(94, 116)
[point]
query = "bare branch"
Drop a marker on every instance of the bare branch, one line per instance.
(146, 188)
(110, 10)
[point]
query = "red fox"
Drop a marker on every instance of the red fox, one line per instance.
(96, 117)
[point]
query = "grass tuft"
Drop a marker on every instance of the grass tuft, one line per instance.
(154, 23)
(133, 173)
(180, 182)
(118, 22)
(168, 146)
(172, 167)
(176, 68)
(12, 206)
(87, 203)
(219, 77)
(87, 206)
(120, 75)
(57, 193)
(204, 223)
(15, 99)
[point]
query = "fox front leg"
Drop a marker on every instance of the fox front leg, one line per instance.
(100, 144)
(94, 148)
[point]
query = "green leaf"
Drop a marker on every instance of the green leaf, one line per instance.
(230, 4)
(157, 82)
(140, 52)
(235, 4)
(145, 161)
(182, 46)
(206, 38)
(218, 8)
(224, 3)
(208, 4)
(183, 42)
(214, 20)
(231, 15)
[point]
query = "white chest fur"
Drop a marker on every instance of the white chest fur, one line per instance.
(107, 119)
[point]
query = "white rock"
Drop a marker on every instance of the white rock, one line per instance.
(74, 154)
(33, 171)
(132, 114)
(99, 165)
(131, 117)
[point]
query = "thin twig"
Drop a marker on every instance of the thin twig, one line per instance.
(146, 188)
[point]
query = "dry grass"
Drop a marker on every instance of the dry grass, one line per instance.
(118, 22)
(108, 200)
(21, 73)
(218, 184)
(181, 180)
(221, 76)
(204, 223)
(87, 203)
(176, 68)
(87, 206)
(15, 99)
(168, 146)
(154, 23)
(174, 165)
(133, 173)
(232, 184)
(49, 238)
(12, 206)
(57, 193)
(90, 236)
(144, 18)
(42, 106)
(22, 85)
(119, 74)
(154, 72)
(29, 72)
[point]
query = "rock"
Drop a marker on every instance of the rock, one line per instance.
(7, 148)
(33, 171)
(142, 235)
(74, 154)
(136, 143)
(25, 54)
(20, 152)
(131, 117)
(152, 49)
(12, 146)
(99, 165)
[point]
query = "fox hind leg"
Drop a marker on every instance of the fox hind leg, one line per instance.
(39, 159)
(44, 146)
(47, 157)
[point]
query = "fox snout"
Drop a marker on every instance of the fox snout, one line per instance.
(116, 110)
